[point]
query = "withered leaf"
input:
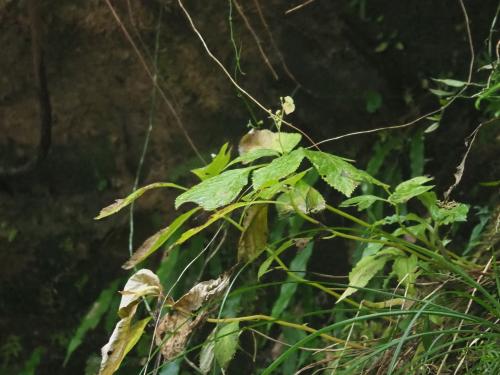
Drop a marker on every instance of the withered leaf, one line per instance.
(154, 242)
(201, 293)
(253, 240)
(176, 326)
(121, 203)
(173, 332)
(122, 340)
(143, 283)
(266, 139)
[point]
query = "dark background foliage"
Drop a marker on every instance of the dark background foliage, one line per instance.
(342, 56)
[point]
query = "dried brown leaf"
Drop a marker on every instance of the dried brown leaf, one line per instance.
(253, 240)
(143, 283)
(201, 293)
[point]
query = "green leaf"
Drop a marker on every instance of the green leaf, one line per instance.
(278, 169)
(405, 269)
(338, 173)
(270, 191)
(254, 155)
(409, 189)
(135, 333)
(267, 263)
(303, 197)
(253, 240)
(121, 203)
(362, 202)
(265, 139)
(366, 269)
(451, 212)
(226, 343)
(219, 162)
(373, 101)
(216, 191)
(154, 242)
(288, 289)
(432, 127)
(92, 318)
(417, 151)
(450, 82)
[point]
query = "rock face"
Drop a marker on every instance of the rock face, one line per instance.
(337, 61)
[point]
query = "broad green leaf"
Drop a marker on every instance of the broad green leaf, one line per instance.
(254, 155)
(92, 318)
(154, 242)
(366, 269)
(141, 284)
(338, 173)
(450, 82)
(362, 202)
(226, 343)
(265, 139)
(216, 191)
(409, 189)
(219, 162)
(253, 240)
(405, 269)
(288, 289)
(444, 213)
(278, 169)
(270, 191)
(302, 197)
(207, 353)
(120, 203)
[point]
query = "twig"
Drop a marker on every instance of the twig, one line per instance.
(461, 167)
(256, 38)
(151, 76)
(440, 109)
(307, 2)
(231, 79)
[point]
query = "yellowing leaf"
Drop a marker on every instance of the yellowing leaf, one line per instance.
(253, 240)
(121, 203)
(154, 242)
(265, 139)
(288, 105)
(143, 283)
(122, 340)
(216, 191)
